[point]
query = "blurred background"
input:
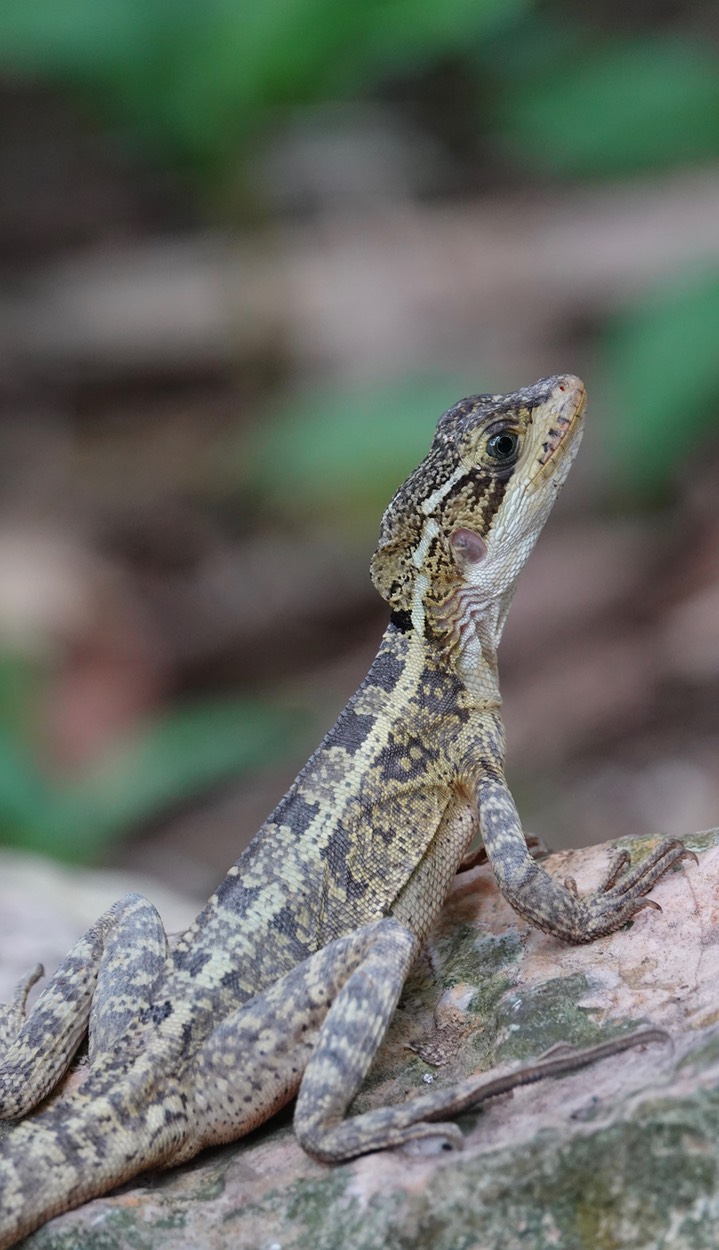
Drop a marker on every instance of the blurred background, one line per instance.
(249, 253)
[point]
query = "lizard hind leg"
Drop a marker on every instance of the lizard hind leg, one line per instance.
(325, 1019)
(100, 984)
(424, 1115)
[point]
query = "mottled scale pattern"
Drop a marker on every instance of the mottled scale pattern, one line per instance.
(286, 982)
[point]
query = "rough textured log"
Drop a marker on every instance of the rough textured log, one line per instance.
(626, 1153)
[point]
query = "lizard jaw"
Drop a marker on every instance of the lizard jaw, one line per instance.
(473, 615)
(568, 403)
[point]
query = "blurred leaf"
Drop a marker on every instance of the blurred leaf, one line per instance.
(530, 47)
(67, 37)
(27, 808)
(405, 34)
(340, 455)
(662, 363)
(613, 108)
(20, 689)
(178, 757)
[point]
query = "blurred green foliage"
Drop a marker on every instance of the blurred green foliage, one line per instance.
(584, 105)
(339, 455)
(196, 81)
(661, 364)
(196, 85)
(559, 93)
(169, 761)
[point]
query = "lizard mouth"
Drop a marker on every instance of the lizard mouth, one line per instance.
(568, 400)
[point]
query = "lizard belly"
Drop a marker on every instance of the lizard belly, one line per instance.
(419, 902)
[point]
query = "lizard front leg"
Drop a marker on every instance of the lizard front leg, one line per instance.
(551, 905)
(98, 986)
(318, 1028)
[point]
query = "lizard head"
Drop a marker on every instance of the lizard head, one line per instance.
(459, 530)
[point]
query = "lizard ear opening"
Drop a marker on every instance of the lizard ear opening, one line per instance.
(468, 547)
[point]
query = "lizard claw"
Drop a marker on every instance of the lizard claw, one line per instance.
(647, 902)
(623, 892)
(619, 861)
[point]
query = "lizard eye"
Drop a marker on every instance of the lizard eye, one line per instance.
(503, 447)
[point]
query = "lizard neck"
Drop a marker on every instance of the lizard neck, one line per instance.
(465, 658)
(474, 649)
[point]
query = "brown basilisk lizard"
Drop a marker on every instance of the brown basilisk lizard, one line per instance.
(285, 983)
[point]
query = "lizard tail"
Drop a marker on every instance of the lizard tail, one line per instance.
(71, 1153)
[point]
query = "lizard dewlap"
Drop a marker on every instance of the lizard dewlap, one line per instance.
(286, 982)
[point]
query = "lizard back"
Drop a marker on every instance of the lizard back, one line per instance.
(374, 792)
(387, 798)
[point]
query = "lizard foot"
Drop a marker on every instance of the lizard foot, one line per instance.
(623, 891)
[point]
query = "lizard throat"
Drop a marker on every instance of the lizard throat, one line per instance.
(472, 629)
